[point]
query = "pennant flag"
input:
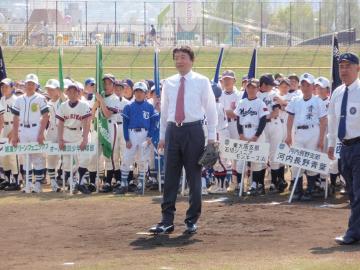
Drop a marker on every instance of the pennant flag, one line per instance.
(218, 66)
(336, 81)
(156, 73)
(103, 129)
(252, 70)
(61, 74)
(2, 66)
(156, 137)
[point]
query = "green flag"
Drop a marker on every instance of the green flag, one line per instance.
(61, 76)
(103, 129)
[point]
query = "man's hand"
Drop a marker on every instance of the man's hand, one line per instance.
(83, 144)
(288, 141)
(61, 144)
(331, 153)
(41, 138)
(14, 139)
(320, 145)
(98, 97)
(254, 139)
(148, 141)
(242, 137)
(128, 144)
(211, 141)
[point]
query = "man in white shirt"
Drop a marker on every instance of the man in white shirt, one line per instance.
(186, 97)
(344, 125)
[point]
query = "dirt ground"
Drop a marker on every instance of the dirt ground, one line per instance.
(58, 231)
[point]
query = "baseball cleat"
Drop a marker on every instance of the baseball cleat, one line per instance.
(162, 228)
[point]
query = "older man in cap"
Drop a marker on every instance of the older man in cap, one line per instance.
(344, 125)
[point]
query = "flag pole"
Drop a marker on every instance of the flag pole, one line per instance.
(98, 42)
(257, 40)
(332, 56)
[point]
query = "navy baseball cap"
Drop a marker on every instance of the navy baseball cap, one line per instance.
(150, 83)
(350, 57)
(90, 81)
(267, 79)
(128, 82)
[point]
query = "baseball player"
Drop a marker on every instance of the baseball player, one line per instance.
(253, 112)
(229, 99)
(274, 131)
(307, 114)
(56, 98)
(110, 106)
(9, 163)
(31, 115)
(138, 125)
(74, 117)
(294, 86)
(222, 165)
(128, 89)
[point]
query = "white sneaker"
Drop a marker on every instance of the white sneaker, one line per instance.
(27, 189)
(204, 191)
(232, 187)
(37, 187)
(54, 185)
(213, 188)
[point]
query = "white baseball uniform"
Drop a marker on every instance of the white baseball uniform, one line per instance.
(72, 115)
(307, 114)
(9, 162)
(250, 112)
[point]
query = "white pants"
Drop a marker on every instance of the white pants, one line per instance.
(112, 162)
(139, 151)
(52, 160)
(80, 159)
(9, 162)
(26, 135)
(307, 139)
(274, 134)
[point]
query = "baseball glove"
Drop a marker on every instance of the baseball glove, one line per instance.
(210, 155)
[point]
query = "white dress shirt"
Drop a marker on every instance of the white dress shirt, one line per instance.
(199, 101)
(352, 112)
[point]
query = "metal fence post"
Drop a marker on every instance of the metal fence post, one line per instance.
(290, 41)
(232, 24)
(56, 23)
(144, 23)
(115, 25)
(261, 23)
(27, 22)
(174, 24)
(349, 22)
(86, 24)
(203, 24)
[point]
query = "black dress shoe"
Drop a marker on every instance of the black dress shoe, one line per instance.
(345, 240)
(162, 228)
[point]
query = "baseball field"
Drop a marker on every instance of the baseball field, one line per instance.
(59, 231)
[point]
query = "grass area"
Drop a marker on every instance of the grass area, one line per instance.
(135, 63)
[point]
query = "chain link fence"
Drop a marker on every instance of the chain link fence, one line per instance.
(197, 23)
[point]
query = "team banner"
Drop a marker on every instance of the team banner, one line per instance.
(46, 148)
(302, 158)
(337, 149)
(243, 150)
(102, 122)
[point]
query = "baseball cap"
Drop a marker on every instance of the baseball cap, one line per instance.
(7, 81)
(350, 57)
(323, 82)
(52, 83)
(267, 79)
(73, 85)
(32, 78)
(253, 82)
(150, 83)
(284, 80)
(228, 74)
(67, 82)
(109, 76)
(293, 76)
(140, 86)
(245, 78)
(129, 83)
(119, 83)
(90, 81)
(308, 78)
(80, 86)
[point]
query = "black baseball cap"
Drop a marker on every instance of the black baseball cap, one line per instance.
(350, 57)
(267, 79)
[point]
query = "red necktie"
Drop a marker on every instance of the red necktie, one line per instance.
(179, 112)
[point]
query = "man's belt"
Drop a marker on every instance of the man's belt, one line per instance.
(119, 123)
(138, 129)
(187, 124)
(74, 128)
(248, 126)
(8, 123)
(231, 119)
(352, 141)
(28, 126)
(305, 126)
